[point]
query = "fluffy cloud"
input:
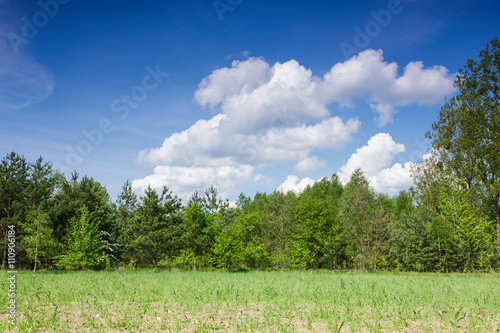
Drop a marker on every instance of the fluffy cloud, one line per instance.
(292, 183)
(274, 114)
(394, 179)
(375, 160)
(196, 158)
(225, 82)
(376, 155)
(368, 75)
(254, 95)
(186, 180)
(207, 143)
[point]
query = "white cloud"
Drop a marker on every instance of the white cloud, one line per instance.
(225, 82)
(254, 95)
(273, 114)
(376, 155)
(207, 143)
(385, 112)
(368, 75)
(185, 180)
(292, 183)
(394, 179)
(375, 160)
(310, 164)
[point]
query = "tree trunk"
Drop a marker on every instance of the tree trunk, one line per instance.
(498, 228)
(497, 217)
(4, 257)
(36, 257)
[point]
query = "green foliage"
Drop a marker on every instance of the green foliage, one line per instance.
(153, 233)
(24, 187)
(473, 232)
(357, 209)
(241, 244)
(467, 135)
(83, 242)
(71, 196)
(228, 249)
(316, 237)
(38, 242)
(277, 225)
(403, 204)
(187, 260)
(443, 234)
(412, 244)
(196, 237)
(123, 217)
(440, 225)
(204, 219)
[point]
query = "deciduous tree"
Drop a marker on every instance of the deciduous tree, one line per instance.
(84, 243)
(467, 133)
(357, 208)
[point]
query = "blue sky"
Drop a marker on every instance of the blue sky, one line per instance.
(246, 95)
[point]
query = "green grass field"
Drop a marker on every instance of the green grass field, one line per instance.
(152, 301)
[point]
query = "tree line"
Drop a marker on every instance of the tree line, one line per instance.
(448, 221)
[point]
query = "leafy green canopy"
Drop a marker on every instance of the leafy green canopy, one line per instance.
(84, 243)
(467, 134)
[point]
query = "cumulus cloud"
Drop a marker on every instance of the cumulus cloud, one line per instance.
(368, 75)
(207, 143)
(222, 83)
(376, 155)
(201, 151)
(394, 179)
(292, 183)
(375, 159)
(255, 95)
(185, 180)
(267, 114)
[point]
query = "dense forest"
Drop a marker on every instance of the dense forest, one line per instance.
(448, 221)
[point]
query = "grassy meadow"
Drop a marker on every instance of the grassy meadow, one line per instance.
(256, 301)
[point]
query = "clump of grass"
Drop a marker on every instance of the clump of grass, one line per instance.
(255, 301)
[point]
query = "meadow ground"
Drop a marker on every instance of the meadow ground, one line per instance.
(256, 301)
